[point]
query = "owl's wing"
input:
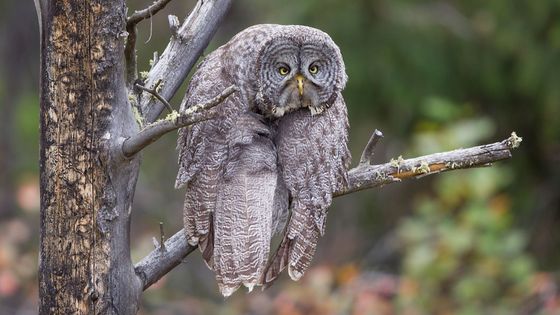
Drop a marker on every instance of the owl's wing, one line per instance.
(314, 158)
(243, 220)
(202, 155)
(234, 192)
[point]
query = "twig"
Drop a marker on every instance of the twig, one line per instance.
(154, 131)
(161, 237)
(367, 154)
(155, 59)
(183, 51)
(130, 47)
(362, 177)
(146, 13)
(155, 93)
(173, 24)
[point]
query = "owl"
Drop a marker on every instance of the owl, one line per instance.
(271, 159)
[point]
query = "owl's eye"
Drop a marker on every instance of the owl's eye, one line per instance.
(283, 70)
(313, 69)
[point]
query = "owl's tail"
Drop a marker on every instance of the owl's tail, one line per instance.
(198, 213)
(242, 230)
(297, 248)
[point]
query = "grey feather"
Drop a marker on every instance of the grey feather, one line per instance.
(279, 146)
(314, 157)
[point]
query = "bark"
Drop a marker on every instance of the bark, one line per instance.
(86, 192)
(87, 180)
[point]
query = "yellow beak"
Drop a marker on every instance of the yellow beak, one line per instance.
(299, 79)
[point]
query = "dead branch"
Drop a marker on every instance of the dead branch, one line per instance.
(182, 52)
(155, 93)
(364, 176)
(130, 46)
(173, 121)
(148, 12)
(367, 154)
(158, 263)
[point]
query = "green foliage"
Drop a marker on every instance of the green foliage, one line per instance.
(461, 251)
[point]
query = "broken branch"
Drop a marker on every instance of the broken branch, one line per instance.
(367, 154)
(158, 263)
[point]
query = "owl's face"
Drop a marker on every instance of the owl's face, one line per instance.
(299, 72)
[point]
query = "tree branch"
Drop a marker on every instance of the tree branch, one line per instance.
(130, 47)
(148, 12)
(367, 154)
(368, 176)
(155, 93)
(362, 177)
(183, 51)
(173, 121)
(159, 262)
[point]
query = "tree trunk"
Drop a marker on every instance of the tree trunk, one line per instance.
(86, 190)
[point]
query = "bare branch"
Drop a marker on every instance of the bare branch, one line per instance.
(158, 263)
(183, 51)
(369, 176)
(367, 154)
(40, 6)
(130, 47)
(154, 131)
(173, 25)
(155, 93)
(148, 12)
(362, 177)
(161, 237)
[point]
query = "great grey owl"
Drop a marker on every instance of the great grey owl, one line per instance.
(277, 150)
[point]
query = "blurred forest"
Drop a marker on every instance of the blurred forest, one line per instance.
(433, 76)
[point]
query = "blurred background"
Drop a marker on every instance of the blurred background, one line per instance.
(433, 76)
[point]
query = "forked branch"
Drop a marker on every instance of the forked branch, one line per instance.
(155, 93)
(182, 52)
(130, 46)
(364, 176)
(173, 121)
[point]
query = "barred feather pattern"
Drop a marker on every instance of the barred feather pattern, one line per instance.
(235, 198)
(314, 158)
(243, 170)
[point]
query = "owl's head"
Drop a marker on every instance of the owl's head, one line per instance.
(300, 67)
